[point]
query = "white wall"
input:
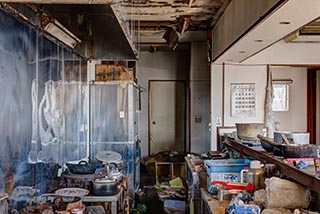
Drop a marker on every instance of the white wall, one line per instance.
(245, 74)
(296, 118)
(221, 78)
(158, 66)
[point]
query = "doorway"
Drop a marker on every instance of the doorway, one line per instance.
(167, 116)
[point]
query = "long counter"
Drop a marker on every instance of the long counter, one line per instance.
(305, 177)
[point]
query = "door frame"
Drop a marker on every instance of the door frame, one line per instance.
(312, 104)
(149, 110)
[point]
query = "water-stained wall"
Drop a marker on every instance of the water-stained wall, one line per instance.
(39, 123)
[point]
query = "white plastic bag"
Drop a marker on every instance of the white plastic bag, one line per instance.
(276, 211)
(282, 193)
(260, 197)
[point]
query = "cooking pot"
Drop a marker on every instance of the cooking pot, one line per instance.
(105, 187)
(84, 167)
(249, 131)
(118, 176)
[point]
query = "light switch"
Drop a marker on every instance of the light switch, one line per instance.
(121, 113)
(198, 119)
(218, 121)
(83, 127)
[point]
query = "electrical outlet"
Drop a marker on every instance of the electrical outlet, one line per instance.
(219, 121)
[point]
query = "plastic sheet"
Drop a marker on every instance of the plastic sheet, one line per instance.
(32, 67)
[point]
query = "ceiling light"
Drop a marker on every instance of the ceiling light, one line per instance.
(284, 23)
(57, 30)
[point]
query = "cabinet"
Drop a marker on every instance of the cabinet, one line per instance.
(114, 125)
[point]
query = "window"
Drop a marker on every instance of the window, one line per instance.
(280, 97)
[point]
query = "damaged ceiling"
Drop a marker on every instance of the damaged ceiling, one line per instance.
(143, 22)
(158, 15)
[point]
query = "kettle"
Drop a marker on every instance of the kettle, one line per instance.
(254, 175)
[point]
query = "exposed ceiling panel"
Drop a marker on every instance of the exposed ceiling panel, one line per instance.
(202, 12)
(151, 18)
(158, 16)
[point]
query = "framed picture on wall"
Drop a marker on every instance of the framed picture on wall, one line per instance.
(243, 100)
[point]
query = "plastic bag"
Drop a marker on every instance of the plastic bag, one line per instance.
(276, 211)
(260, 197)
(282, 193)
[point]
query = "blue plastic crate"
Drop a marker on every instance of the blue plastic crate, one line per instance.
(226, 165)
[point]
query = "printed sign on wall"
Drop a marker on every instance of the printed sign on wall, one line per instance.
(243, 100)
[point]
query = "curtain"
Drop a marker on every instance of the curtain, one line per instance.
(268, 115)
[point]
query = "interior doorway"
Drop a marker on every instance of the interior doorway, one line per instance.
(167, 116)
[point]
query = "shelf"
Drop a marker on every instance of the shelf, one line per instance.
(173, 169)
(305, 177)
(117, 200)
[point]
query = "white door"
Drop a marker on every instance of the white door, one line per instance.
(167, 116)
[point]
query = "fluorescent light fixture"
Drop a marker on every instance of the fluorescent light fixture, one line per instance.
(57, 30)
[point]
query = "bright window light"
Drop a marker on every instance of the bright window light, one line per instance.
(280, 97)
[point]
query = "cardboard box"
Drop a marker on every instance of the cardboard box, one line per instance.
(113, 72)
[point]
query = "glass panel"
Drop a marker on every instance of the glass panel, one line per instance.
(109, 111)
(17, 71)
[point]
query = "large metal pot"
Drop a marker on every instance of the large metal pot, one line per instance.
(249, 131)
(105, 187)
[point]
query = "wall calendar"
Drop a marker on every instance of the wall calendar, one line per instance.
(243, 100)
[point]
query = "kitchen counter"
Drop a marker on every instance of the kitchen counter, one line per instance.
(305, 176)
(210, 204)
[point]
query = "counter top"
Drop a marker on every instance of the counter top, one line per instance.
(305, 177)
(210, 201)
(195, 164)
